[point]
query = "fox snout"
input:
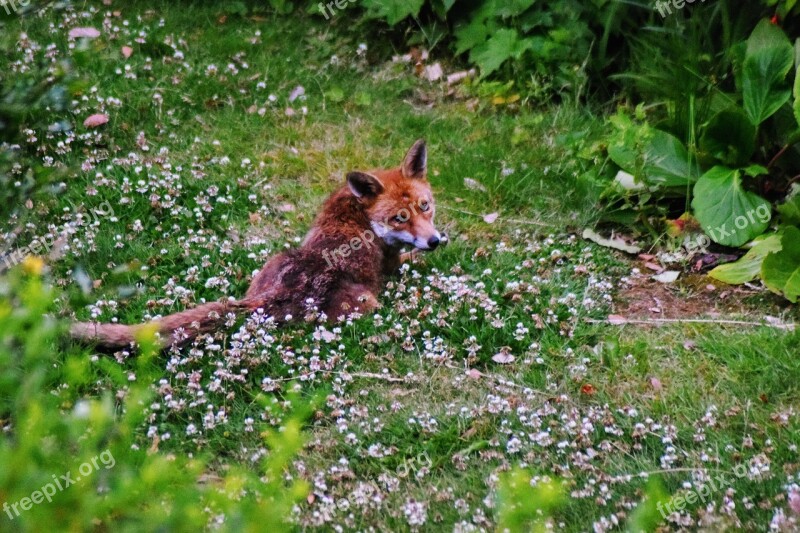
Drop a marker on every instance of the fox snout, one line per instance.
(436, 240)
(428, 240)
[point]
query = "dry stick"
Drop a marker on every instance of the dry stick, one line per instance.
(678, 470)
(503, 381)
(365, 375)
(788, 327)
(515, 221)
(371, 375)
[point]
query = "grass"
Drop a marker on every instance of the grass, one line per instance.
(204, 186)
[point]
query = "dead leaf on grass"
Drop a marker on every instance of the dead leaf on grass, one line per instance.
(504, 356)
(88, 33)
(93, 121)
(669, 276)
(617, 320)
(474, 185)
(615, 243)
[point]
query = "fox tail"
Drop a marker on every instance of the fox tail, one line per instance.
(175, 330)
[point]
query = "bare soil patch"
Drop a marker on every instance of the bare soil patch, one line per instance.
(693, 296)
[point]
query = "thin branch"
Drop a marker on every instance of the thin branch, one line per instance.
(512, 220)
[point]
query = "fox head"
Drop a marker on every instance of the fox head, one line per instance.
(399, 202)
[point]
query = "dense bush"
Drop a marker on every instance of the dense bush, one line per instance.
(726, 156)
(569, 47)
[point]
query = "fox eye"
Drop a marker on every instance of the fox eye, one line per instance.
(398, 219)
(424, 206)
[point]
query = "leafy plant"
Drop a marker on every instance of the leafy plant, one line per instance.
(781, 268)
(523, 506)
(523, 40)
(393, 11)
(53, 425)
(728, 168)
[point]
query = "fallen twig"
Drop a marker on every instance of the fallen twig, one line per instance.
(372, 375)
(621, 321)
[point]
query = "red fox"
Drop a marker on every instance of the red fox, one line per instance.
(354, 243)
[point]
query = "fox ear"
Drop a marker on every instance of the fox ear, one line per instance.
(364, 185)
(415, 165)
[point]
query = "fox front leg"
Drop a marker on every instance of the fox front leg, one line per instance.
(407, 257)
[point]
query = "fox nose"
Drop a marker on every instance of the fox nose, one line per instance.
(433, 242)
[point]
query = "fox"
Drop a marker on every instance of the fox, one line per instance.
(355, 242)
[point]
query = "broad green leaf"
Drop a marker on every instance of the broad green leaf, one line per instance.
(470, 35)
(393, 11)
(766, 35)
(652, 155)
(623, 144)
(363, 99)
(647, 515)
(755, 170)
(737, 53)
(748, 267)
(667, 161)
(781, 270)
(523, 506)
(503, 45)
(761, 99)
(790, 209)
(482, 24)
(768, 59)
(727, 213)
(441, 7)
(797, 52)
(512, 8)
(729, 137)
(796, 105)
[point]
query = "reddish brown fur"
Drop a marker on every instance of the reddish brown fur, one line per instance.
(293, 284)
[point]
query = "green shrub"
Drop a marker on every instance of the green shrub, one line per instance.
(71, 458)
(574, 47)
(732, 166)
(560, 44)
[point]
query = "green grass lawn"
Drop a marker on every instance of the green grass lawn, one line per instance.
(210, 167)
